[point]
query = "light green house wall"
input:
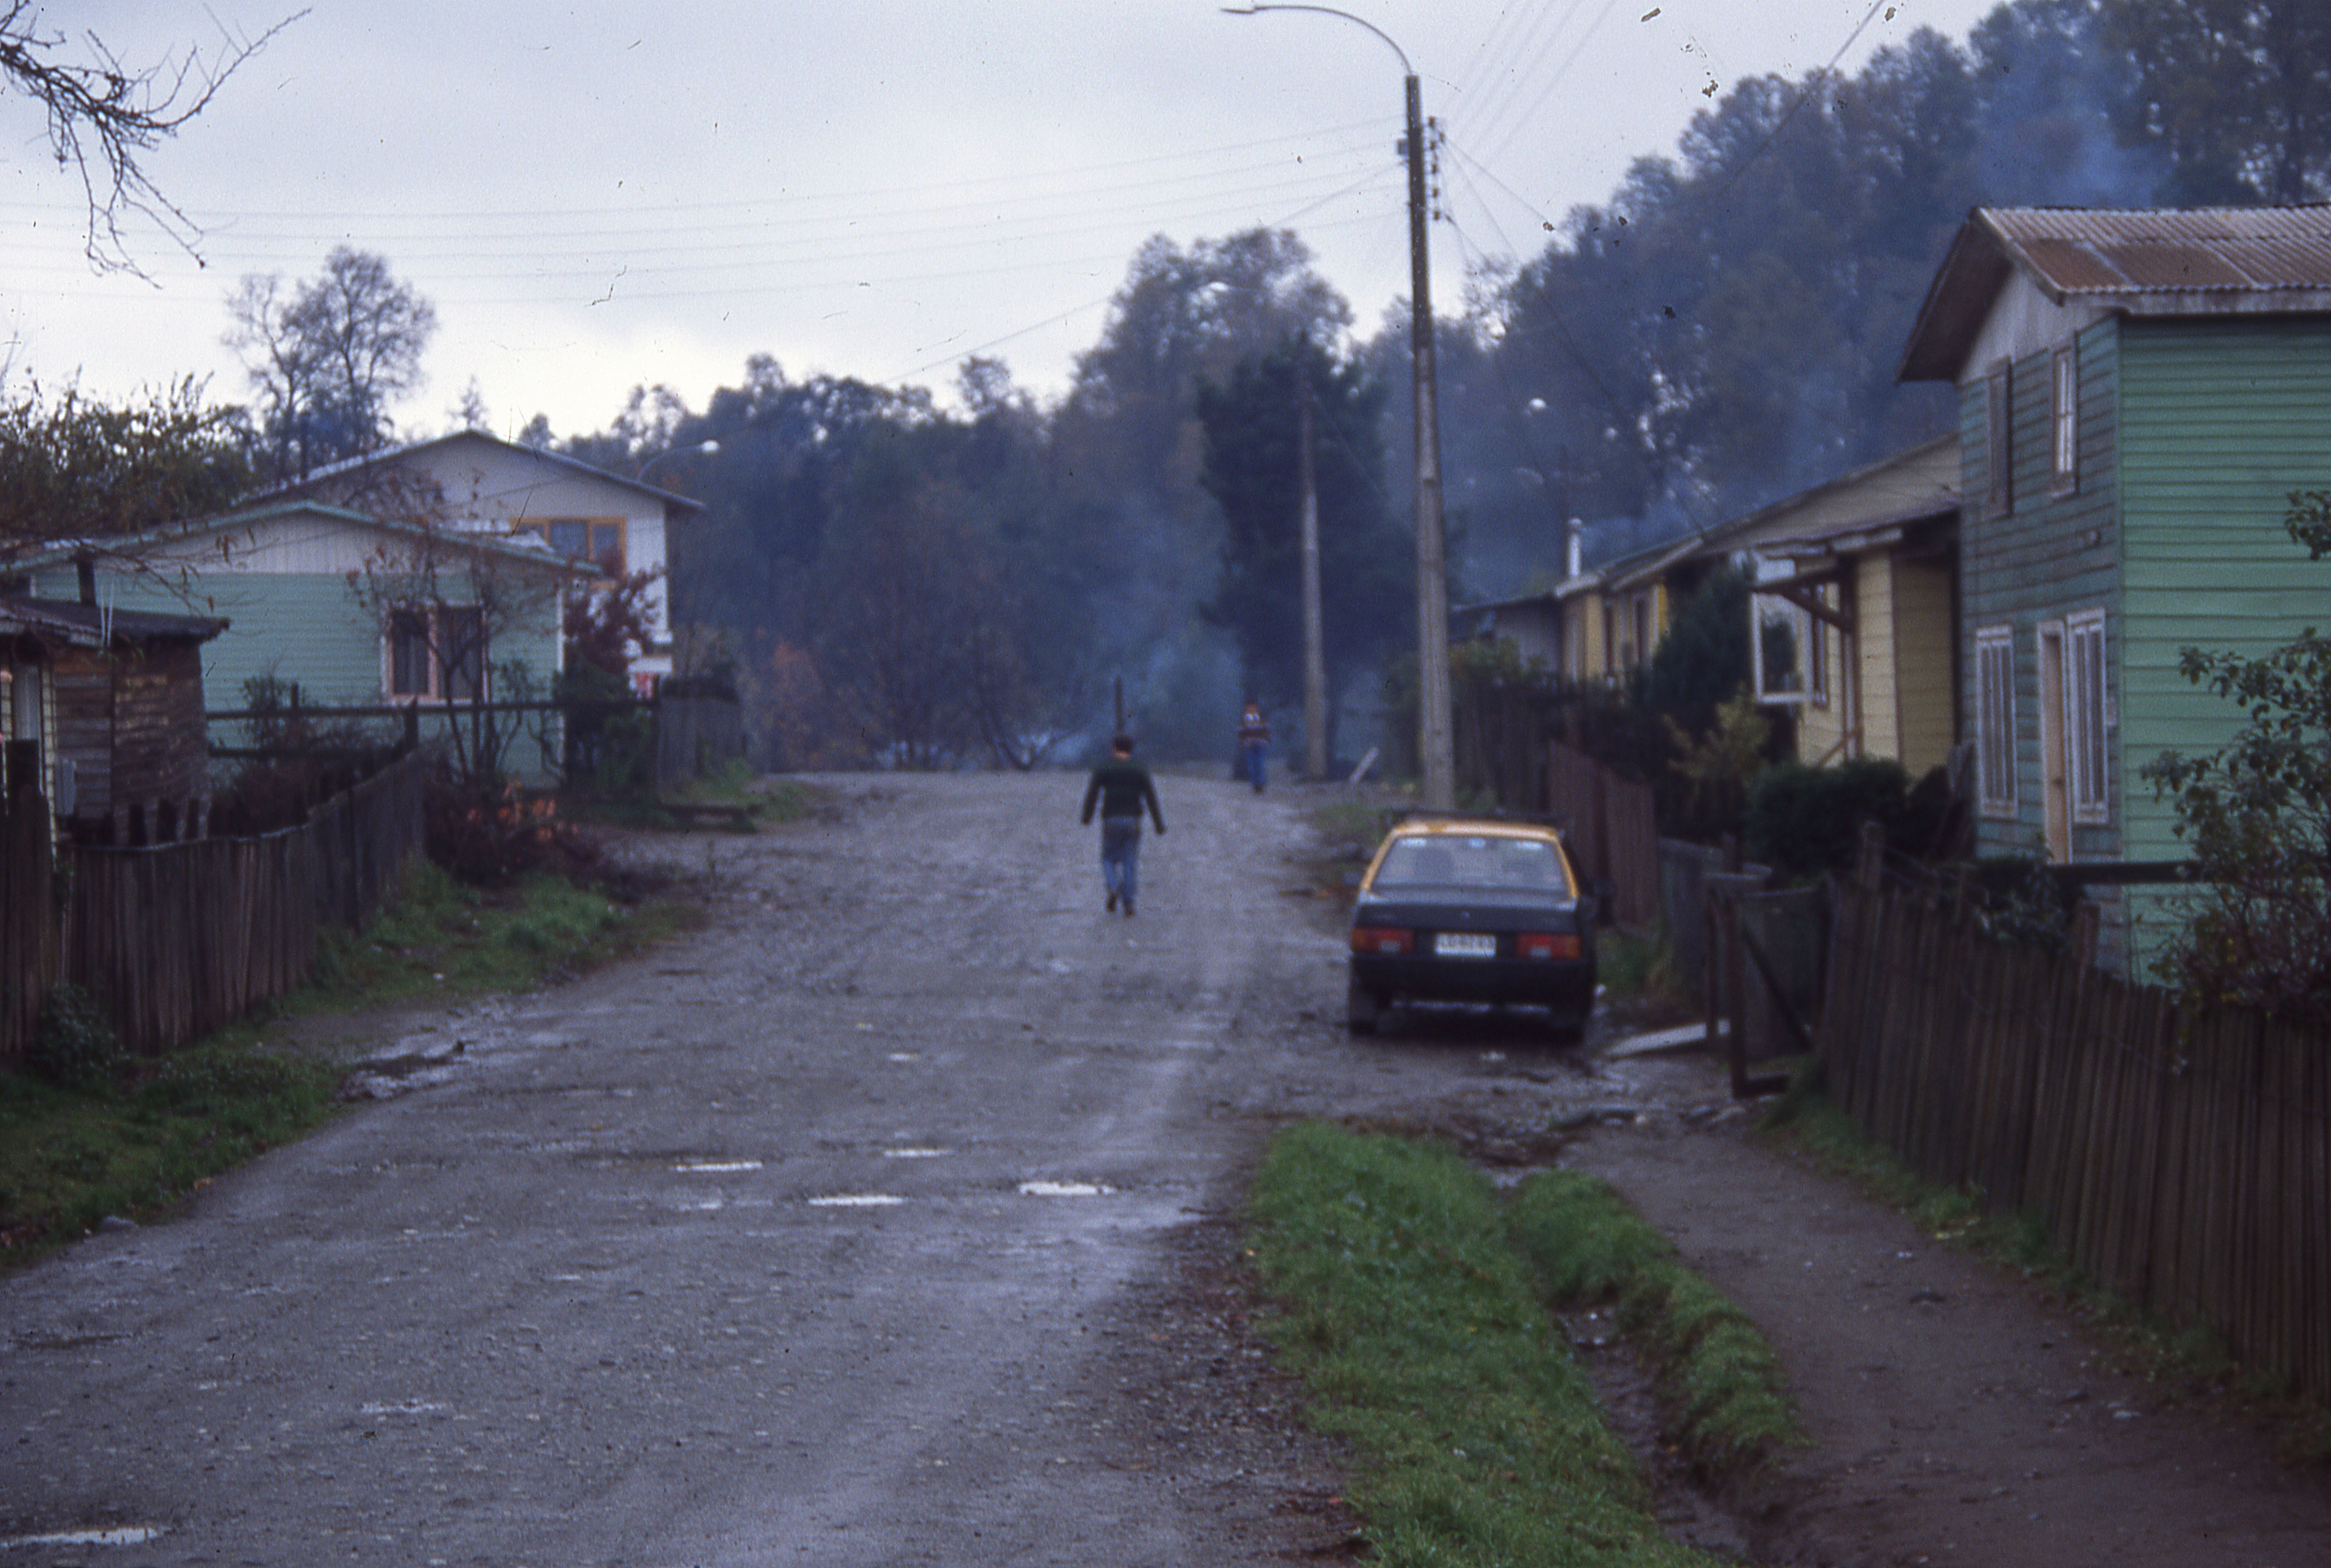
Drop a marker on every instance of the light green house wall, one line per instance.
(2193, 433)
(282, 580)
(2221, 420)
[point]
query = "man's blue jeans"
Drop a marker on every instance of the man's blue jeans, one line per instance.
(1120, 857)
(1250, 764)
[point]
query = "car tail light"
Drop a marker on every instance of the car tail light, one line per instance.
(1384, 940)
(1545, 945)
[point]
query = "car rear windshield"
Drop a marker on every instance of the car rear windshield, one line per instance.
(1451, 860)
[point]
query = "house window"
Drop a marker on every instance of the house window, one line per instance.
(2064, 421)
(1790, 645)
(599, 540)
(461, 641)
(1995, 706)
(436, 655)
(2085, 716)
(1998, 439)
(411, 661)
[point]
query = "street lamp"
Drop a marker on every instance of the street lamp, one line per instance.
(1435, 752)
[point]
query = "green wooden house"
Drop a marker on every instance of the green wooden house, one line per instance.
(355, 610)
(2139, 391)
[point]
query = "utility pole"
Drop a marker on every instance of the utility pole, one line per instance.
(1435, 749)
(1314, 653)
(1436, 754)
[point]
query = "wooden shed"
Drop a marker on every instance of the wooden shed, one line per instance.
(124, 747)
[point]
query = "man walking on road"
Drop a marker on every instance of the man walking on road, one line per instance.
(1121, 788)
(1254, 743)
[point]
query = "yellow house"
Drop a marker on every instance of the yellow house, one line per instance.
(1855, 615)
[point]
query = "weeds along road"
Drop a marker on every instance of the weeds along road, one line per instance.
(821, 1237)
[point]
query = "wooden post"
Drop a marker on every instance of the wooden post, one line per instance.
(1871, 866)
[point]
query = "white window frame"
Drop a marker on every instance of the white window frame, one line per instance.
(2087, 716)
(2064, 420)
(1808, 680)
(1995, 720)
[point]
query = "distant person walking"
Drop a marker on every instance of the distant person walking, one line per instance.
(1121, 788)
(1254, 745)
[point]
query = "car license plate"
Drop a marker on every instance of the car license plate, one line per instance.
(1464, 944)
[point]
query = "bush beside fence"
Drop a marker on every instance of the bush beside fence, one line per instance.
(2184, 1162)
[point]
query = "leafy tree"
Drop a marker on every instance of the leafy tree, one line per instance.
(2256, 813)
(1252, 469)
(104, 116)
(328, 356)
(2237, 93)
(73, 467)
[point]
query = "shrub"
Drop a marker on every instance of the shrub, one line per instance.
(74, 1045)
(487, 838)
(2256, 813)
(1805, 820)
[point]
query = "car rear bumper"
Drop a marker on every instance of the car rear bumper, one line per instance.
(1567, 986)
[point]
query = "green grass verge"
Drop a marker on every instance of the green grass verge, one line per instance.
(1725, 1400)
(1415, 1324)
(69, 1158)
(443, 939)
(135, 1146)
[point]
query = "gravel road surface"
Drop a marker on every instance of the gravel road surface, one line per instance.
(891, 1219)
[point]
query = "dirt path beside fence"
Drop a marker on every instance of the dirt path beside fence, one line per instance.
(1953, 1419)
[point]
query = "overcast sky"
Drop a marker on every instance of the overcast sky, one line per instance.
(600, 195)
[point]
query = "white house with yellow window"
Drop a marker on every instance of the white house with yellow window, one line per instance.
(475, 481)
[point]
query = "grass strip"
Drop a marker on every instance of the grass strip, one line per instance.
(136, 1139)
(70, 1158)
(1416, 1325)
(1723, 1394)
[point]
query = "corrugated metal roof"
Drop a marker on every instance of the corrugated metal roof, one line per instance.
(2197, 261)
(2075, 252)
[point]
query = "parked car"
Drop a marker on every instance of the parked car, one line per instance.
(1471, 910)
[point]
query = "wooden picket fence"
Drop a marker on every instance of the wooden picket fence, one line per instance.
(179, 939)
(28, 918)
(1609, 824)
(2184, 1162)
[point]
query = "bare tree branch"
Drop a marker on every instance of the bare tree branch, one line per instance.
(103, 116)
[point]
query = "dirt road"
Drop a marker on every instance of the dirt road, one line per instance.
(890, 1221)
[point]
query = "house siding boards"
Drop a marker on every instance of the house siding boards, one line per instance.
(2046, 557)
(282, 580)
(1925, 699)
(2222, 420)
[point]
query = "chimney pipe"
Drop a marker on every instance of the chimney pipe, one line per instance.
(85, 569)
(1573, 546)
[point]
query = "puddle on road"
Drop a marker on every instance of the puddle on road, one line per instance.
(857, 1201)
(117, 1535)
(915, 1153)
(1064, 1190)
(412, 1407)
(906, 1056)
(707, 1167)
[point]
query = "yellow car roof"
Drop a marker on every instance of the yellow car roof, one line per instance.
(1474, 827)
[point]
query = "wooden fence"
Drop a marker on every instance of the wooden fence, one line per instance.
(1611, 830)
(28, 918)
(179, 939)
(2184, 1162)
